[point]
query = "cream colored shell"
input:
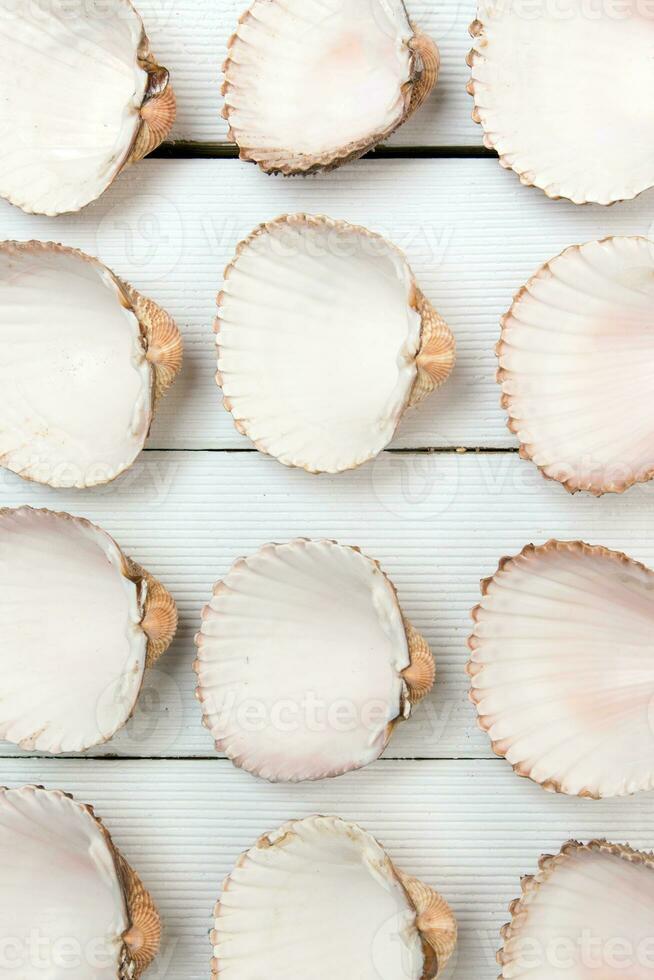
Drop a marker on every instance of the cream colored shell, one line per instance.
(320, 899)
(576, 361)
(311, 84)
(324, 340)
(587, 912)
(306, 663)
(562, 668)
(82, 98)
(85, 359)
(560, 90)
(71, 908)
(81, 622)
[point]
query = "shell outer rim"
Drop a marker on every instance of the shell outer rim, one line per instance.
(329, 160)
(147, 63)
(122, 867)
(418, 302)
(527, 178)
(131, 299)
(129, 569)
(282, 833)
(473, 668)
(405, 704)
(547, 866)
(526, 450)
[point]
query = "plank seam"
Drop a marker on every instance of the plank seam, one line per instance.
(404, 451)
(188, 150)
(53, 759)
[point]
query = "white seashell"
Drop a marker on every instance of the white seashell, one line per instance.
(70, 905)
(84, 360)
(312, 84)
(562, 668)
(82, 99)
(306, 663)
(561, 94)
(71, 672)
(324, 340)
(576, 362)
(321, 899)
(586, 913)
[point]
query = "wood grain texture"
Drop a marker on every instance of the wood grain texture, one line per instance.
(190, 38)
(470, 829)
(438, 523)
(472, 234)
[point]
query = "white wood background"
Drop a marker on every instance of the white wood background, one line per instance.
(438, 519)
(190, 36)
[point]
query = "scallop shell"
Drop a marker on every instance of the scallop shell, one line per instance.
(85, 359)
(562, 668)
(83, 97)
(576, 361)
(586, 913)
(560, 92)
(319, 899)
(312, 85)
(306, 663)
(70, 905)
(324, 340)
(81, 623)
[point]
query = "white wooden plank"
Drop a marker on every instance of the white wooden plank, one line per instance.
(437, 522)
(472, 233)
(470, 829)
(190, 38)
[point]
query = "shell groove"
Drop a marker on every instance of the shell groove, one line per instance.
(361, 69)
(320, 898)
(66, 894)
(576, 360)
(84, 358)
(324, 340)
(586, 913)
(304, 662)
(562, 668)
(82, 97)
(559, 91)
(74, 636)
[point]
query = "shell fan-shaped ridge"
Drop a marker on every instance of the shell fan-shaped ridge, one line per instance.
(85, 359)
(305, 662)
(82, 98)
(75, 633)
(576, 361)
(562, 668)
(312, 84)
(560, 93)
(586, 912)
(69, 902)
(324, 340)
(320, 897)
